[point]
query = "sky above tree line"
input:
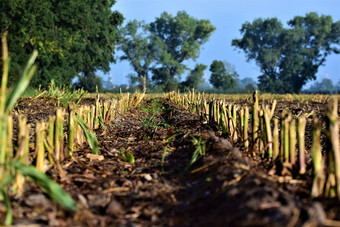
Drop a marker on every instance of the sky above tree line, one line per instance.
(228, 17)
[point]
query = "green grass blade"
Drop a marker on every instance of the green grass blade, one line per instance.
(90, 137)
(48, 185)
(7, 204)
(22, 84)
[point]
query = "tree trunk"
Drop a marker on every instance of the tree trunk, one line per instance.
(143, 82)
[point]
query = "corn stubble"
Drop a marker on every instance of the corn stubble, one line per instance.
(275, 138)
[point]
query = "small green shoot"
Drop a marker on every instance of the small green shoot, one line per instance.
(90, 136)
(199, 152)
(149, 122)
(167, 149)
(126, 156)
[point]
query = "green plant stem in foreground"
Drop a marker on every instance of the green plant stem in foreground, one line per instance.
(90, 136)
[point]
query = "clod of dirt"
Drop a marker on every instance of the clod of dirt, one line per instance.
(115, 208)
(38, 200)
(222, 145)
(98, 200)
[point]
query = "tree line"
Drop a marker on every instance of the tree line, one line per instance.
(78, 38)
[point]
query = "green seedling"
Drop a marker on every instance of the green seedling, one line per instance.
(199, 152)
(90, 136)
(149, 122)
(166, 150)
(122, 149)
(126, 156)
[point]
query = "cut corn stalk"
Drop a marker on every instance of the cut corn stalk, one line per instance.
(255, 120)
(22, 152)
(301, 136)
(234, 118)
(245, 128)
(319, 177)
(242, 123)
(333, 125)
(39, 145)
(71, 131)
(268, 133)
(292, 141)
(49, 143)
(59, 134)
(286, 137)
(276, 142)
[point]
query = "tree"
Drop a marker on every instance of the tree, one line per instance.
(89, 83)
(176, 39)
(195, 77)
(325, 86)
(223, 75)
(135, 42)
(242, 83)
(289, 57)
(72, 37)
(338, 85)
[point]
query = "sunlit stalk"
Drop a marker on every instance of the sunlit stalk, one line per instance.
(242, 123)
(22, 152)
(268, 133)
(319, 177)
(276, 143)
(245, 128)
(230, 122)
(301, 135)
(39, 145)
(71, 131)
(234, 118)
(286, 137)
(292, 141)
(255, 117)
(333, 124)
(58, 134)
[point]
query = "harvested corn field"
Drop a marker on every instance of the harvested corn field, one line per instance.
(169, 161)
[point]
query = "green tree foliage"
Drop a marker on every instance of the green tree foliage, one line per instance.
(338, 85)
(72, 36)
(135, 42)
(176, 39)
(194, 78)
(89, 82)
(242, 83)
(223, 75)
(325, 86)
(289, 57)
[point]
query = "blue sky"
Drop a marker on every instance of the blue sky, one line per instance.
(228, 17)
